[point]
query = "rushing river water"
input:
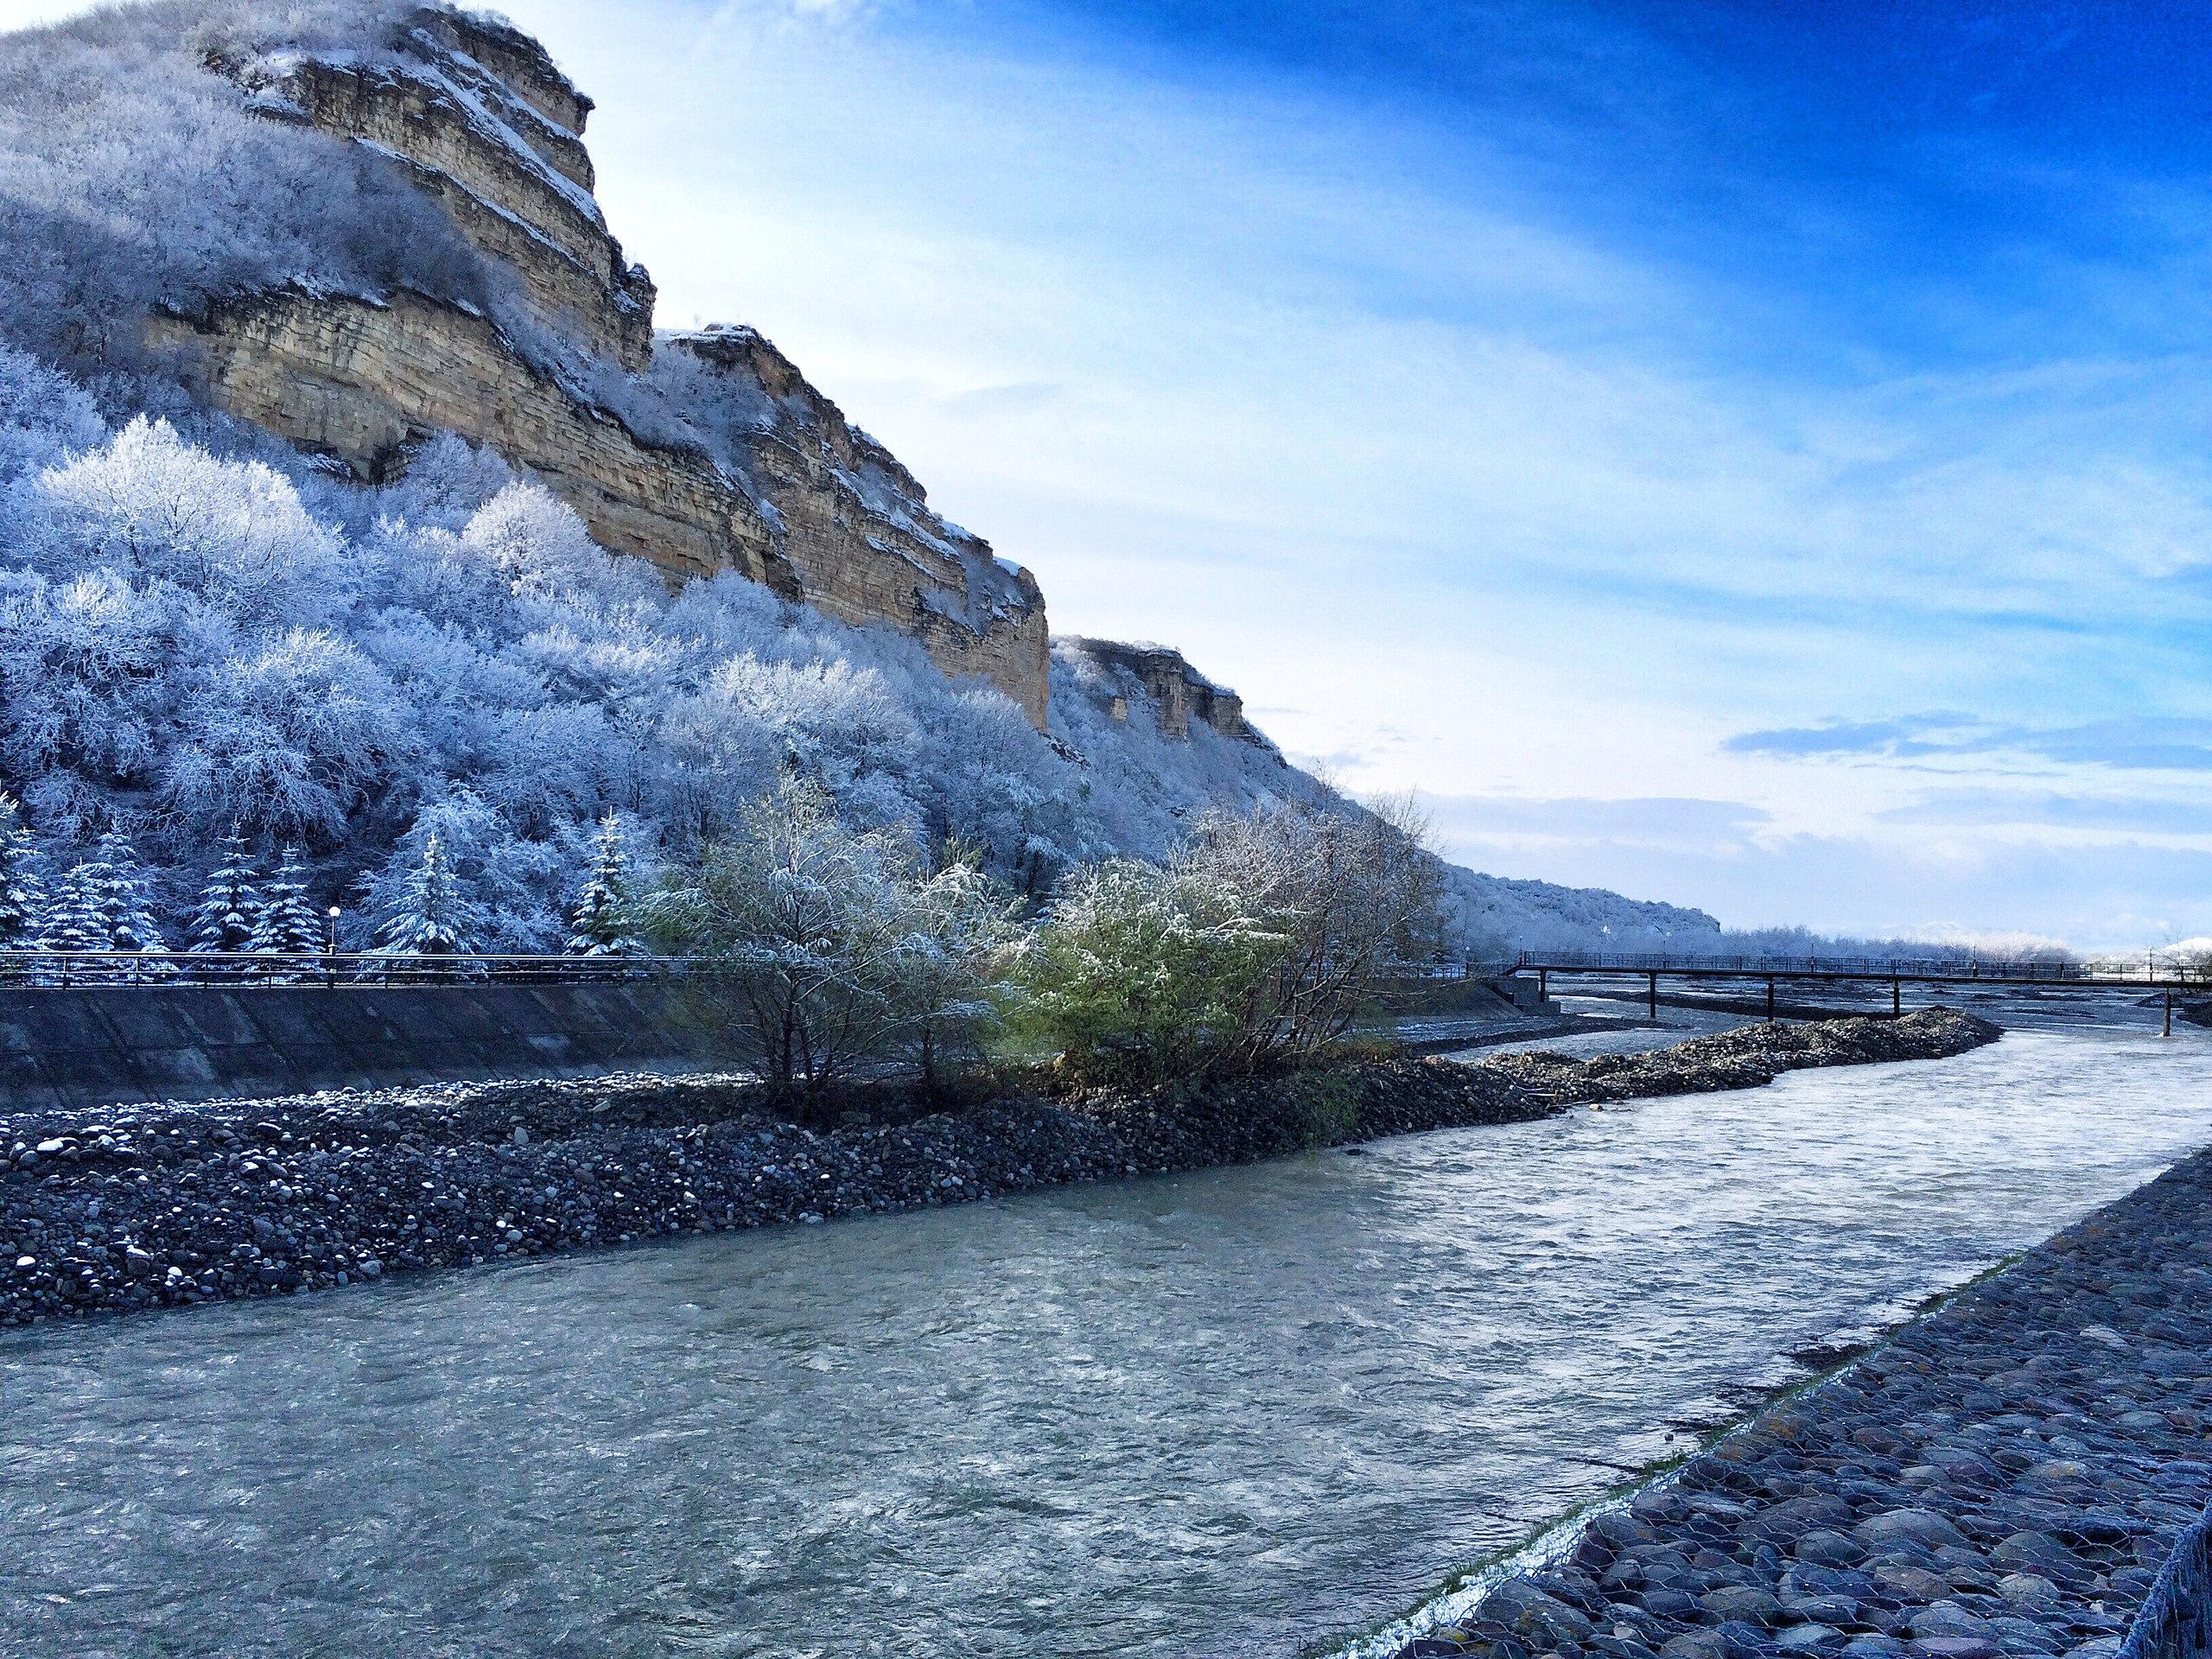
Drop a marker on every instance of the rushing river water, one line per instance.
(1235, 1412)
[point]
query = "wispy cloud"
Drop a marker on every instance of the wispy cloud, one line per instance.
(2127, 815)
(2143, 743)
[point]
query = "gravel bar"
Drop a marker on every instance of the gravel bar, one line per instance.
(2008, 1474)
(146, 1207)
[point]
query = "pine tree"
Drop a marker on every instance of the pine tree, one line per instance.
(105, 904)
(283, 922)
(71, 923)
(127, 902)
(602, 924)
(229, 903)
(23, 895)
(431, 918)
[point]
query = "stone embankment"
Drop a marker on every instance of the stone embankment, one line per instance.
(152, 1207)
(2008, 1475)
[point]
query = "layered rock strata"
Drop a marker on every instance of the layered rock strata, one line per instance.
(1179, 693)
(711, 455)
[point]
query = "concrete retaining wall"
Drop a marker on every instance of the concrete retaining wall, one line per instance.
(97, 1045)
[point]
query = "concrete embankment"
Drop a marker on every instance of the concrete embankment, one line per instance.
(2020, 1471)
(156, 1206)
(86, 1046)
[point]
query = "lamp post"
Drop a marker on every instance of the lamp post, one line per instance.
(330, 935)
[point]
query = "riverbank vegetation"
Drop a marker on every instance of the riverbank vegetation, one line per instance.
(833, 953)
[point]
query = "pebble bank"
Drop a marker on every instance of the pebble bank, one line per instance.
(144, 1207)
(2020, 1471)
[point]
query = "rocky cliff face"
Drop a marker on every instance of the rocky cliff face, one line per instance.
(706, 453)
(1179, 694)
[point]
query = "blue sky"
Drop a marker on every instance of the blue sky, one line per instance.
(1747, 455)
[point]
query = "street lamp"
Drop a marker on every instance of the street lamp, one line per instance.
(330, 939)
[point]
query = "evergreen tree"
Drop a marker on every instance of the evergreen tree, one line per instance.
(284, 922)
(126, 902)
(70, 922)
(105, 904)
(431, 916)
(229, 903)
(23, 895)
(602, 925)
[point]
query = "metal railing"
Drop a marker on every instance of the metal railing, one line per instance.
(2034, 970)
(62, 968)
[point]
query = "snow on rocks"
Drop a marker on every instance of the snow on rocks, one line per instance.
(147, 1207)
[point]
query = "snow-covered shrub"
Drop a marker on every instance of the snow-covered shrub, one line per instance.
(1142, 973)
(1356, 897)
(44, 418)
(832, 950)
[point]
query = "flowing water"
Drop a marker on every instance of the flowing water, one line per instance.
(1236, 1412)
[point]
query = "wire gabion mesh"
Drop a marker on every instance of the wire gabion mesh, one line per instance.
(2025, 1471)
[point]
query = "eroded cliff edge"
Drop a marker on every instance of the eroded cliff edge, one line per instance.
(701, 452)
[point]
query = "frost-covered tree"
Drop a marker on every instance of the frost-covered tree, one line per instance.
(430, 916)
(71, 922)
(283, 922)
(951, 984)
(104, 904)
(604, 923)
(200, 631)
(22, 894)
(230, 902)
(832, 949)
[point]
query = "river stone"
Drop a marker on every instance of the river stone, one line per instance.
(1923, 1527)
(2015, 1634)
(1809, 1638)
(1947, 1619)
(1916, 1582)
(1745, 1601)
(2042, 1554)
(1827, 1549)
(1532, 1613)
(2028, 1589)
(1957, 1647)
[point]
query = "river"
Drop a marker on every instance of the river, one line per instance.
(1235, 1412)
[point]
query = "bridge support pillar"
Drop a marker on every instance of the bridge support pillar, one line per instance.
(1897, 997)
(1543, 986)
(1769, 999)
(2168, 1031)
(1652, 1004)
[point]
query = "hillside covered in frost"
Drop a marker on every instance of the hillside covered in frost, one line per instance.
(207, 630)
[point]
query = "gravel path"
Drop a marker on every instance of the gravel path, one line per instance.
(2005, 1475)
(156, 1206)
